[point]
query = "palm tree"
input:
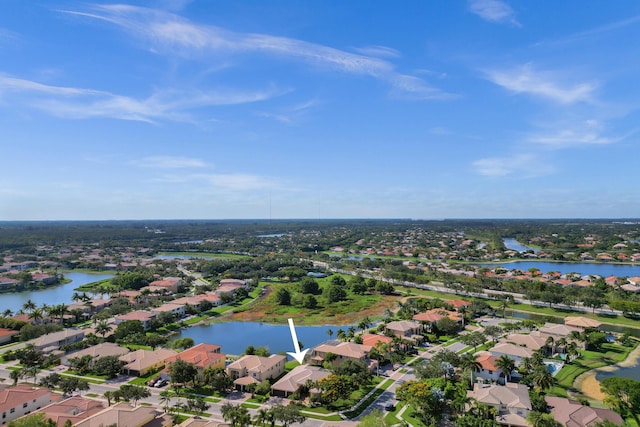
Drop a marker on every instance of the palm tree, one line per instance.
(36, 315)
(262, 416)
(109, 396)
(103, 328)
(539, 419)
(330, 332)
(165, 399)
(29, 305)
(7, 313)
(507, 365)
(542, 379)
(364, 323)
(341, 335)
(468, 361)
(549, 344)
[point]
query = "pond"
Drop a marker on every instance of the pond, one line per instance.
(514, 245)
(51, 295)
(235, 337)
(634, 332)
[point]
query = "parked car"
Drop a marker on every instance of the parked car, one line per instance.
(161, 383)
(389, 407)
(154, 381)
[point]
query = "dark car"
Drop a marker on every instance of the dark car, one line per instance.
(153, 382)
(389, 407)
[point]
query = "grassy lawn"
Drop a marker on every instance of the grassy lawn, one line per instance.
(143, 380)
(249, 405)
(369, 400)
(611, 354)
(307, 413)
(391, 417)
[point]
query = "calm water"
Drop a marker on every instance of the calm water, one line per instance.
(235, 337)
(600, 269)
(514, 245)
(51, 296)
(199, 256)
(632, 372)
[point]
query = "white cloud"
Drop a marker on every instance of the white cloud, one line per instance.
(493, 11)
(169, 162)
(165, 32)
(519, 165)
(379, 51)
(525, 79)
(79, 103)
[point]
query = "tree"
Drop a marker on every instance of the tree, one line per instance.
(542, 379)
(365, 323)
(70, 384)
(288, 415)
(128, 328)
(336, 293)
(375, 418)
(103, 328)
(469, 362)
(538, 419)
(622, 395)
(33, 420)
(183, 343)
(309, 286)
(134, 393)
(197, 405)
(507, 365)
(108, 365)
(283, 296)
(182, 372)
(385, 288)
(29, 306)
(310, 302)
(336, 387)
(165, 400)
(218, 380)
(235, 415)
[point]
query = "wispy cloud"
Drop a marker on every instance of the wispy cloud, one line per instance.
(379, 51)
(544, 84)
(292, 114)
(518, 165)
(600, 30)
(170, 33)
(7, 36)
(588, 133)
(80, 103)
(222, 182)
(494, 11)
(169, 162)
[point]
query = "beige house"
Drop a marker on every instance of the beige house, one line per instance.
(581, 322)
(96, 352)
(557, 330)
(515, 352)
(341, 352)
(168, 283)
(511, 401)
(255, 369)
(573, 414)
(21, 400)
(142, 316)
(296, 378)
(73, 410)
(124, 415)
(405, 329)
(50, 342)
(141, 362)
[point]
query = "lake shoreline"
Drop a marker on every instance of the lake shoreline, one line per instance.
(587, 384)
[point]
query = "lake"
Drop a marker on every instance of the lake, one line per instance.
(235, 337)
(51, 295)
(514, 245)
(584, 268)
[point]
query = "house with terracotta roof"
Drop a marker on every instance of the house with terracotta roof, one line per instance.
(23, 399)
(511, 402)
(488, 370)
(177, 309)
(458, 303)
(6, 335)
(634, 280)
(96, 352)
(201, 356)
(581, 322)
(168, 283)
(142, 316)
(570, 413)
(372, 340)
(141, 362)
(293, 381)
(72, 410)
(433, 315)
(251, 369)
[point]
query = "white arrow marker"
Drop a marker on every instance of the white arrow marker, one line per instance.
(298, 355)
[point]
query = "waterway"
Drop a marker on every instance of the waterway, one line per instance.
(235, 337)
(514, 245)
(583, 268)
(51, 295)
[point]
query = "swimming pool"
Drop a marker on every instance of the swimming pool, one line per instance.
(553, 366)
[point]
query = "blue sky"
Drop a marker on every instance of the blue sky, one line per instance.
(319, 109)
